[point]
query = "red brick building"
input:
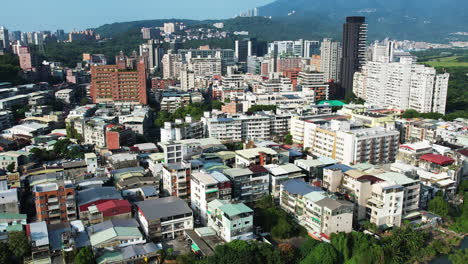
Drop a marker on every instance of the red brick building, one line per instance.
(111, 84)
(118, 136)
(292, 75)
(161, 84)
(55, 202)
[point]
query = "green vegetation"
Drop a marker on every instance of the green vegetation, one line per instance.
(439, 206)
(244, 252)
(275, 220)
(72, 133)
(288, 139)
(11, 167)
(18, 244)
(258, 108)
(63, 148)
(411, 113)
(459, 214)
(5, 253)
(20, 111)
(452, 61)
(195, 110)
(84, 256)
(459, 257)
(9, 69)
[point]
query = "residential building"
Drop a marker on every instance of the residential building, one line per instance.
(248, 184)
(9, 201)
(256, 156)
(164, 218)
(115, 233)
(314, 81)
(282, 173)
(176, 179)
(330, 59)
(205, 188)
(55, 202)
(112, 209)
(113, 84)
(182, 129)
(153, 53)
(354, 50)
(351, 143)
(94, 196)
(231, 221)
(402, 85)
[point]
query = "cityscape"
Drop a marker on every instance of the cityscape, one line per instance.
(297, 132)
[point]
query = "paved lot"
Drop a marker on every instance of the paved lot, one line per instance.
(179, 245)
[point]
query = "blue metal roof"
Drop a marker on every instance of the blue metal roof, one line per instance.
(296, 186)
(342, 167)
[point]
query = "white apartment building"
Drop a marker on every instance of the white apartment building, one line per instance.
(231, 221)
(182, 129)
(351, 143)
(402, 85)
(176, 179)
(319, 214)
(383, 197)
(205, 188)
(66, 95)
(205, 66)
(330, 56)
(171, 66)
(288, 99)
(239, 128)
(280, 85)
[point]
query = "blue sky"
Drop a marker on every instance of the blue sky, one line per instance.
(30, 15)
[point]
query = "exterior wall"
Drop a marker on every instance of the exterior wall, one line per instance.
(109, 84)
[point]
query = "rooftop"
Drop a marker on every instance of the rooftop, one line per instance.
(254, 152)
(398, 178)
(163, 207)
(437, 159)
(299, 187)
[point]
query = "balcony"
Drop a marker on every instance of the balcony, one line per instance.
(52, 199)
(54, 207)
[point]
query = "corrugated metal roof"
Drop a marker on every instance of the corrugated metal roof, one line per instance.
(163, 207)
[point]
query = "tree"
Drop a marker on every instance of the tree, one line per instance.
(84, 101)
(459, 257)
(410, 113)
(216, 104)
(244, 252)
(188, 258)
(5, 253)
(288, 139)
(324, 253)
(11, 167)
(288, 253)
(258, 108)
(342, 243)
(18, 244)
(307, 247)
(439, 206)
(84, 256)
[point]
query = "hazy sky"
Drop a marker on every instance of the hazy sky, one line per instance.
(31, 15)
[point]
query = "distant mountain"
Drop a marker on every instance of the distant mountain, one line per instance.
(424, 20)
(410, 19)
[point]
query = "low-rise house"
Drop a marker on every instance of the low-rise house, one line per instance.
(38, 235)
(231, 221)
(12, 222)
(115, 233)
(130, 254)
(249, 184)
(312, 208)
(164, 218)
(112, 209)
(94, 196)
(282, 173)
(9, 202)
(256, 156)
